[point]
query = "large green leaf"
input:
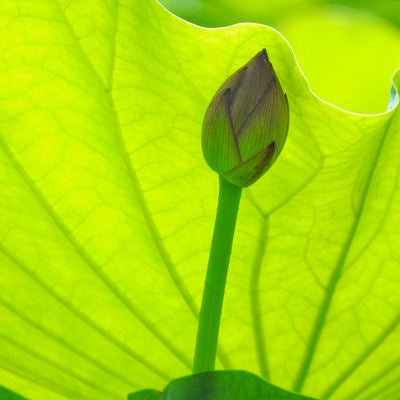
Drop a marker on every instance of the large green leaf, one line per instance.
(107, 208)
(339, 48)
(218, 385)
(6, 394)
(146, 394)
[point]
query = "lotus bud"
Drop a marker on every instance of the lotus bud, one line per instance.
(246, 123)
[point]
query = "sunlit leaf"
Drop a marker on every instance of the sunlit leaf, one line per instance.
(347, 49)
(107, 208)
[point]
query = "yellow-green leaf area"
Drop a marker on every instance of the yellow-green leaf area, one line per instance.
(107, 207)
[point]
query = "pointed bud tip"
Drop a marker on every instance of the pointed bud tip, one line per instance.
(264, 53)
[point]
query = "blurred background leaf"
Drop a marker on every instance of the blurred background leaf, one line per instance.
(339, 44)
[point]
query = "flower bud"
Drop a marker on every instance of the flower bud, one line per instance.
(246, 123)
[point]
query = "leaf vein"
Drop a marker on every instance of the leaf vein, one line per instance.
(66, 371)
(254, 290)
(336, 275)
(90, 262)
(84, 318)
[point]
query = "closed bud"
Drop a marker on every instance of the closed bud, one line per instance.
(246, 123)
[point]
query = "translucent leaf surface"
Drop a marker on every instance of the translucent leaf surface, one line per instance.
(347, 49)
(107, 207)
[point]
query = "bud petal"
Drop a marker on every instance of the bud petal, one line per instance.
(250, 170)
(217, 137)
(246, 123)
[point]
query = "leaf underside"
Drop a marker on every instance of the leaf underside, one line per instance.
(107, 208)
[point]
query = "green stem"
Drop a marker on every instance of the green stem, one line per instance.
(214, 287)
